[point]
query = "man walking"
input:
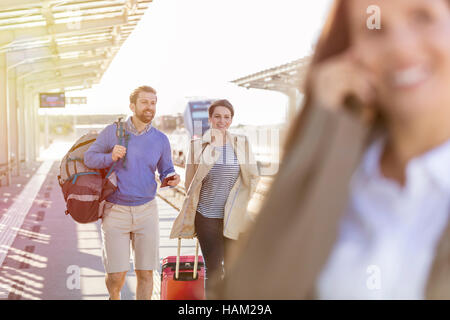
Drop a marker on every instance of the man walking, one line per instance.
(131, 213)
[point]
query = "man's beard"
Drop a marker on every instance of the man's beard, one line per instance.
(145, 119)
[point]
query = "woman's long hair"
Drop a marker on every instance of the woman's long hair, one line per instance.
(334, 40)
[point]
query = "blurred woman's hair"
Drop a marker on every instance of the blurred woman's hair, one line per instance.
(334, 40)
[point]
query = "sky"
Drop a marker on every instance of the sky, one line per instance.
(186, 48)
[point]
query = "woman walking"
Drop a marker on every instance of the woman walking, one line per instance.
(221, 175)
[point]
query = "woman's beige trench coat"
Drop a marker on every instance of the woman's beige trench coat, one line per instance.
(200, 159)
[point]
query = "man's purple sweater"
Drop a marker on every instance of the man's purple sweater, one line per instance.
(146, 153)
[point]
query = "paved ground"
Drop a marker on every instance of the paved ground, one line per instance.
(46, 255)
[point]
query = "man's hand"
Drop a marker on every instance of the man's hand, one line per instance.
(174, 181)
(118, 152)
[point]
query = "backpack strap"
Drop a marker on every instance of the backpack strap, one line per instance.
(119, 130)
(126, 138)
(119, 134)
(123, 138)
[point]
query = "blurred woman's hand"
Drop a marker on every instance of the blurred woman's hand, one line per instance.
(337, 78)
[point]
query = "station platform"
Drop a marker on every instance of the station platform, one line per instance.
(46, 255)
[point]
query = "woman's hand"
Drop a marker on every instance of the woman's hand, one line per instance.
(334, 80)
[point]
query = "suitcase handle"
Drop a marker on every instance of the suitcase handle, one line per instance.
(177, 265)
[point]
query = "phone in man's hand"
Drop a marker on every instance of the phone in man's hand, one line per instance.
(164, 185)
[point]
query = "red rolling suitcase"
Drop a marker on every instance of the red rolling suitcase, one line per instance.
(183, 277)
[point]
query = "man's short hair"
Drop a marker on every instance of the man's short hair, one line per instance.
(220, 103)
(135, 94)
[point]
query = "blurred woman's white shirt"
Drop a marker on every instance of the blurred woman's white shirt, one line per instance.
(389, 233)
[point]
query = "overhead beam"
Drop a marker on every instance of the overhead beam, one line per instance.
(51, 74)
(62, 84)
(132, 5)
(46, 11)
(59, 64)
(79, 77)
(20, 4)
(28, 56)
(32, 64)
(7, 37)
(26, 4)
(88, 47)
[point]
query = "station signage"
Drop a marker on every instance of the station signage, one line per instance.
(52, 100)
(76, 100)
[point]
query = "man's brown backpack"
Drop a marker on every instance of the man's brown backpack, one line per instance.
(84, 189)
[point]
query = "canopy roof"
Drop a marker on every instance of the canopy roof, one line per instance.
(281, 78)
(65, 44)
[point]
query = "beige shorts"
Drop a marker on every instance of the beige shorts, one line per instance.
(138, 225)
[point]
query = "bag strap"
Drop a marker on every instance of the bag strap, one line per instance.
(75, 147)
(76, 175)
(197, 161)
(126, 138)
(119, 129)
(122, 136)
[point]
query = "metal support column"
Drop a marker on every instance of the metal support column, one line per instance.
(30, 125)
(21, 107)
(4, 116)
(37, 128)
(13, 121)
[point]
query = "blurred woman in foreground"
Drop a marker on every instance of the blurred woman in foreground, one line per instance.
(392, 241)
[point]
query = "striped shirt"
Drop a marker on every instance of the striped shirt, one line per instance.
(218, 183)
